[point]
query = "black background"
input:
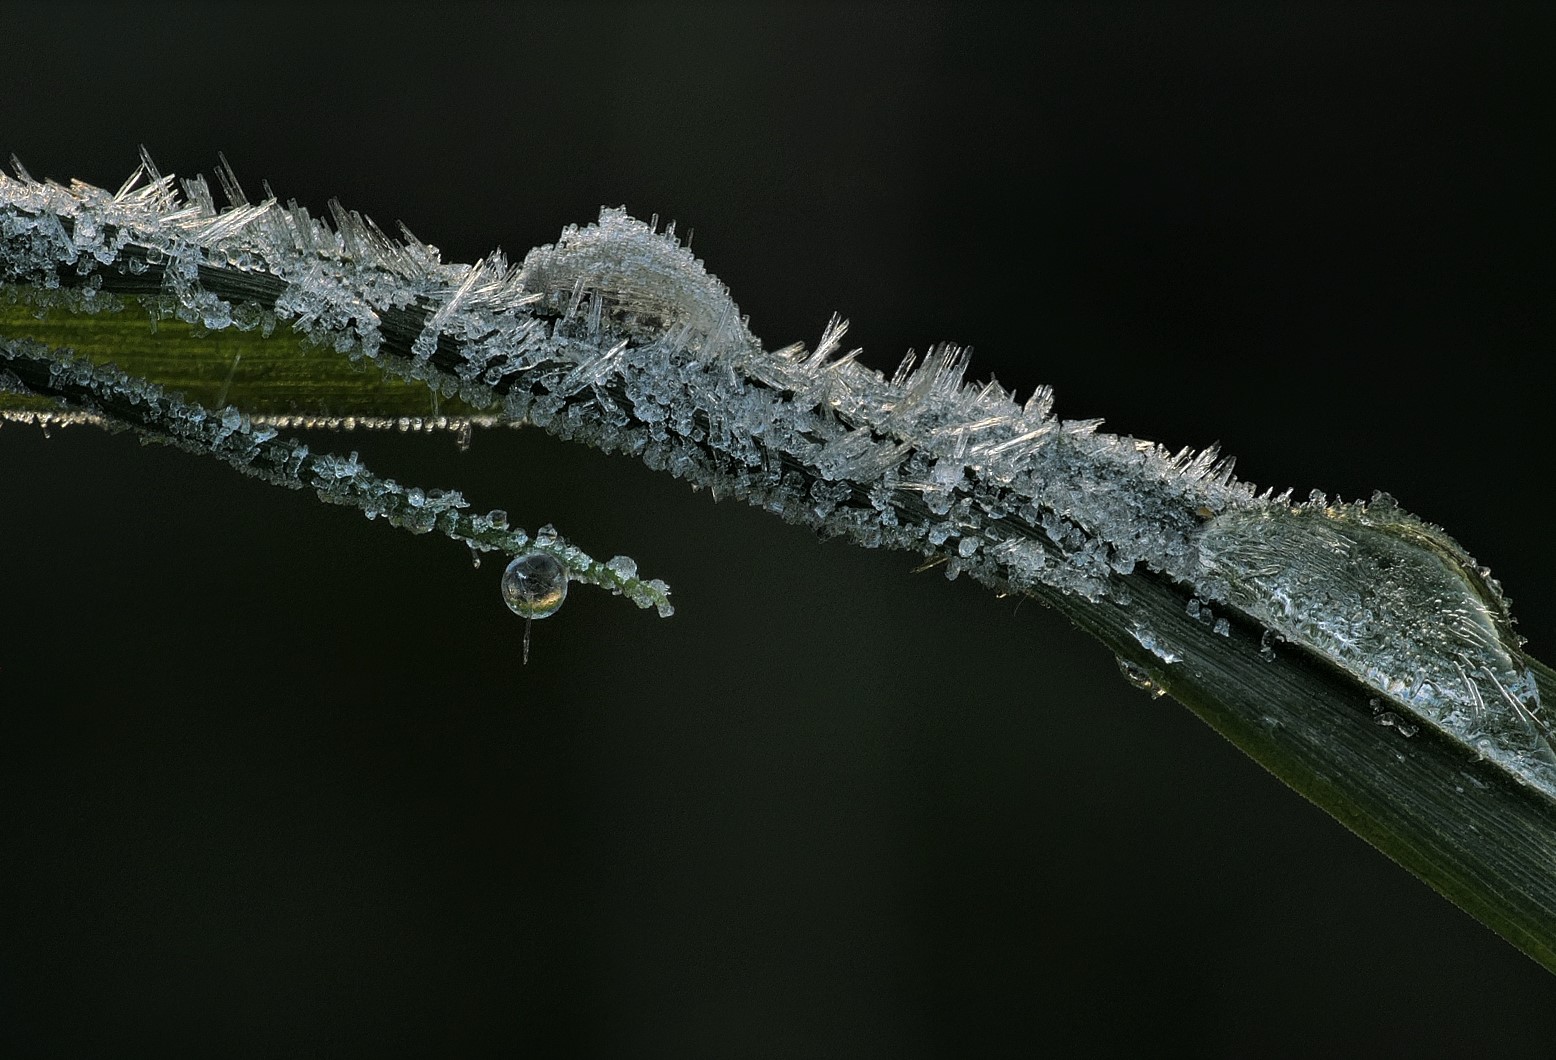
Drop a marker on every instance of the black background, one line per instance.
(272, 780)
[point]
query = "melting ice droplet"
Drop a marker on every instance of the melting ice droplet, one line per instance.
(534, 585)
(1397, 603)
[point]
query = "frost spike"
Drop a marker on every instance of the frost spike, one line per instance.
(229, 182)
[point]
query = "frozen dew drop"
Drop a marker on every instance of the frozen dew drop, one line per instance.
(1140, 677)
(534, 585)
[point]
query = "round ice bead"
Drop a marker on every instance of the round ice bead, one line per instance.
(534, 585)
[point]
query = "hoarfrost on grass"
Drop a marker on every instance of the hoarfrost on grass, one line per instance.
(616, 336)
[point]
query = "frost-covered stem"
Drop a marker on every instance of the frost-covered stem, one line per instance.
(257, 450)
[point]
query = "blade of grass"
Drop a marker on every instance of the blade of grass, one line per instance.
(1466, 826)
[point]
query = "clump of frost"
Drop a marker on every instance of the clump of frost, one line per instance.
(1398, 604)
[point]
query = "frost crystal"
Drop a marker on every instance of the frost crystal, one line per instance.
(1151, 642)
(617, 337)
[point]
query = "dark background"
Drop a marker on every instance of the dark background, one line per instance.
(272, 780)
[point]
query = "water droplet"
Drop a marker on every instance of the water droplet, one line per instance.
(534, 585)
(1140, 677)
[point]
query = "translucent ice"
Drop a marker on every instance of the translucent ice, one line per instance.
(1396, 603)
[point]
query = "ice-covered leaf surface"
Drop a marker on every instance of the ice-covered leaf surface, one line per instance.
(617, 337)
(1397, 603)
